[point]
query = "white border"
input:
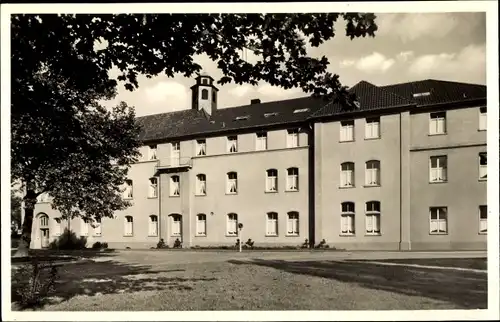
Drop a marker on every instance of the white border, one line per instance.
(491, 7)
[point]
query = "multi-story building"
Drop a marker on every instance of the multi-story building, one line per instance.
(404, 170)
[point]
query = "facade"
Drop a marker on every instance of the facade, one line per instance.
(404, 170)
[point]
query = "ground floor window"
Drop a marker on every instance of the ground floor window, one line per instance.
(483, 219)
(201, 225)
(438, 220)
(176, 224)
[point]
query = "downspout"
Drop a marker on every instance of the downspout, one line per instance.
(160, 221)
(311, 184)
(400, 181)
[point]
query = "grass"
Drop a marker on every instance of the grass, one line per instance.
(473, 263)
(263, 285)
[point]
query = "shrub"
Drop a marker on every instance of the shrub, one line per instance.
(177, 243)
(69, 241)
(161, 244)
(128, 247)
(104, 245)
(33, 283)
(305, 244)
(97, 245)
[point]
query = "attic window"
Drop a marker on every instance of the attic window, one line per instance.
(357, 104)
(241, 118)
(421, 94)
(270, 114)
(301, 110)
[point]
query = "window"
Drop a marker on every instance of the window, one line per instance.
(261, 143)
(232, 225)
(97, 227)
(346, 131)
(84, 227)
(129, 187)
(266, 115)
(438, 171)
(483, 120)
(201, 225)
(204, 94)
(272, 180)
(214, 97)
(204, 81)
(201, 147)
(176, 225)
(152, 152)
(347, 174)
(439, 222)
(483, 219)
(372, 174)
(301, 110)
(153, 225)
(129, 226)
(373, 218)
(421, 94)
(242, 118)
(437, 123)
(292, 225)
(57, 227)
(483, 166)
(292, 179)
(292, 139)
(232, 183)
(372, 128)
(153, 187)
(175, 189)
(44, 221)
(272, 224)
(347, 218)
(232, 144)
(201, 185)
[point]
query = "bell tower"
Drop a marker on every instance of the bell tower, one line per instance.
(204, 94)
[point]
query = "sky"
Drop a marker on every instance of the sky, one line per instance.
(407, 47)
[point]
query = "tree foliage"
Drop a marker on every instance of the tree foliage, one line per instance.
(67, 145)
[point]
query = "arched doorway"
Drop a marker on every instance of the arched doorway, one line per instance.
(44, 231)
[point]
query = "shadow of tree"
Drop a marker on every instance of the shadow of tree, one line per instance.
(466, 289)
(111, 277)
(46, 255)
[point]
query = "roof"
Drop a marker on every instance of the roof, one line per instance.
(431, 91)
(370, 97)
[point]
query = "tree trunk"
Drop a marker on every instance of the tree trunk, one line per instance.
(29, 208)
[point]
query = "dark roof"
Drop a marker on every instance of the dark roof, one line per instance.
(440, 91)
(192, 122)
(369, 97)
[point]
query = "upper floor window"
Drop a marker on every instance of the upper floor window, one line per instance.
(152, 152)
(97, 227)
(201, 184)
(373, 217)
(292, 139)
(437, 123)
(84, 227)
(204, 81)
(272, 180)
(347, 174)
(372, 128)
(57, 227)
(153, 187)
(438, 220)
(153, 225)
(129, 189)
(261, 142)
(347, 131)
(483, 123)
(232, 183)
(292, 179)
(347, 218)
(129, 226)
(204, 94)
(44, 221)
(372, 175)
(175, 189)
(483, 166)
(483, 219)
(201, 147)
(232, 144)
(438, 171)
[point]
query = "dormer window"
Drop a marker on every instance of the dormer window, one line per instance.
(301, 110)
(270, 114)
(241, 118)
(421, 94)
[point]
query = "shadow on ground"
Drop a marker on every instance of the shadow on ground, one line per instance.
(465, 289)
(110, 277)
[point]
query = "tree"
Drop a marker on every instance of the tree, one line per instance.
(66, 145)
(15, 210)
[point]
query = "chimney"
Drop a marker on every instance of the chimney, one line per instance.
(255, 101)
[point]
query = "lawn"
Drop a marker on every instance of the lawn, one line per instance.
(472, 263)
(263, 284)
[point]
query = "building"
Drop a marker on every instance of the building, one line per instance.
(406, 170)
